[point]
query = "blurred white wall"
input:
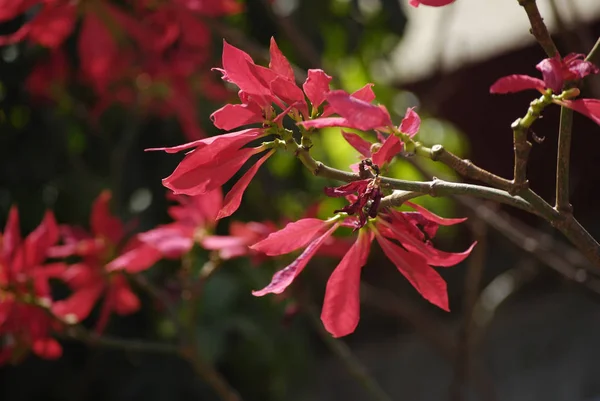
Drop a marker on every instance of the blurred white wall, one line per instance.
(468, 31)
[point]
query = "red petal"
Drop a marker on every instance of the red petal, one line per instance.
(365, 93)
(423, 277)
(197, 211)
(551, 69)
(79, 304)
(517, 83)
(293, 236)
(289, 93)
(125, 300)
(588, 107)
(347, 189)
(136, 260)
(98, 51)
(434, 217)
(279, 63)
(232, 116)
(217, 143)
(103, 223)
(11, 239)
(10, 9)
(358, 143)
(37, 243)
(431, 3)
(237, 65)
(283, 278)
(360, 114)
(53, 24)
(202, 178)
(326, 122)
(234, 196)
(341, 306)
(410, 123)
(47, 348)
(316, 87)
(391, 147)
(171, 240)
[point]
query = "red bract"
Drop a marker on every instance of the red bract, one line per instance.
(354, 112)
(431, 3)
(213, 162)
(404, 237)
(556, 72)
(49, 27)
(241, 237)
(89, 279)
(24, 290)
(383, 151)
(193, 218)
(365, 204)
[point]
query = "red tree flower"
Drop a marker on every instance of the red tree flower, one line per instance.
(556, 72)
(194, 217)
(89, 278)
(23, 284)
(401, 238)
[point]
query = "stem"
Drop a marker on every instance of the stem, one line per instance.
(464, 167)
(538, 27)
(594, 52)
(563, 161)
(192, 290)
(464, 355)
(522, 146)
(432, 188)
(351, 363)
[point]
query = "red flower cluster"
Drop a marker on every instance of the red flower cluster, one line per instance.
(556, 72)
(340, 313)
(88, 278)
(213, 161)
(25, 291)
(149, 53)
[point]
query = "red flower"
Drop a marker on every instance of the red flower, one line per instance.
(49, 27)
(555, 72)
(354, 112)
(23, 276)
(412, 257)
(340, 313)
(241, 237)
(365, 204)
(213, 162)
(383, 152)
(89, 278)
(431, 3)
(193, 217)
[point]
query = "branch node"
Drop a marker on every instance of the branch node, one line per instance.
(318, 169)
(436, 152)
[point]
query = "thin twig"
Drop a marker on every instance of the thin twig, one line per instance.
(431, 188)
(428, 327)
(303, 46)
(594, 52)
(538, 27)
(351, 363)
(475, 268)
(563, 161)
